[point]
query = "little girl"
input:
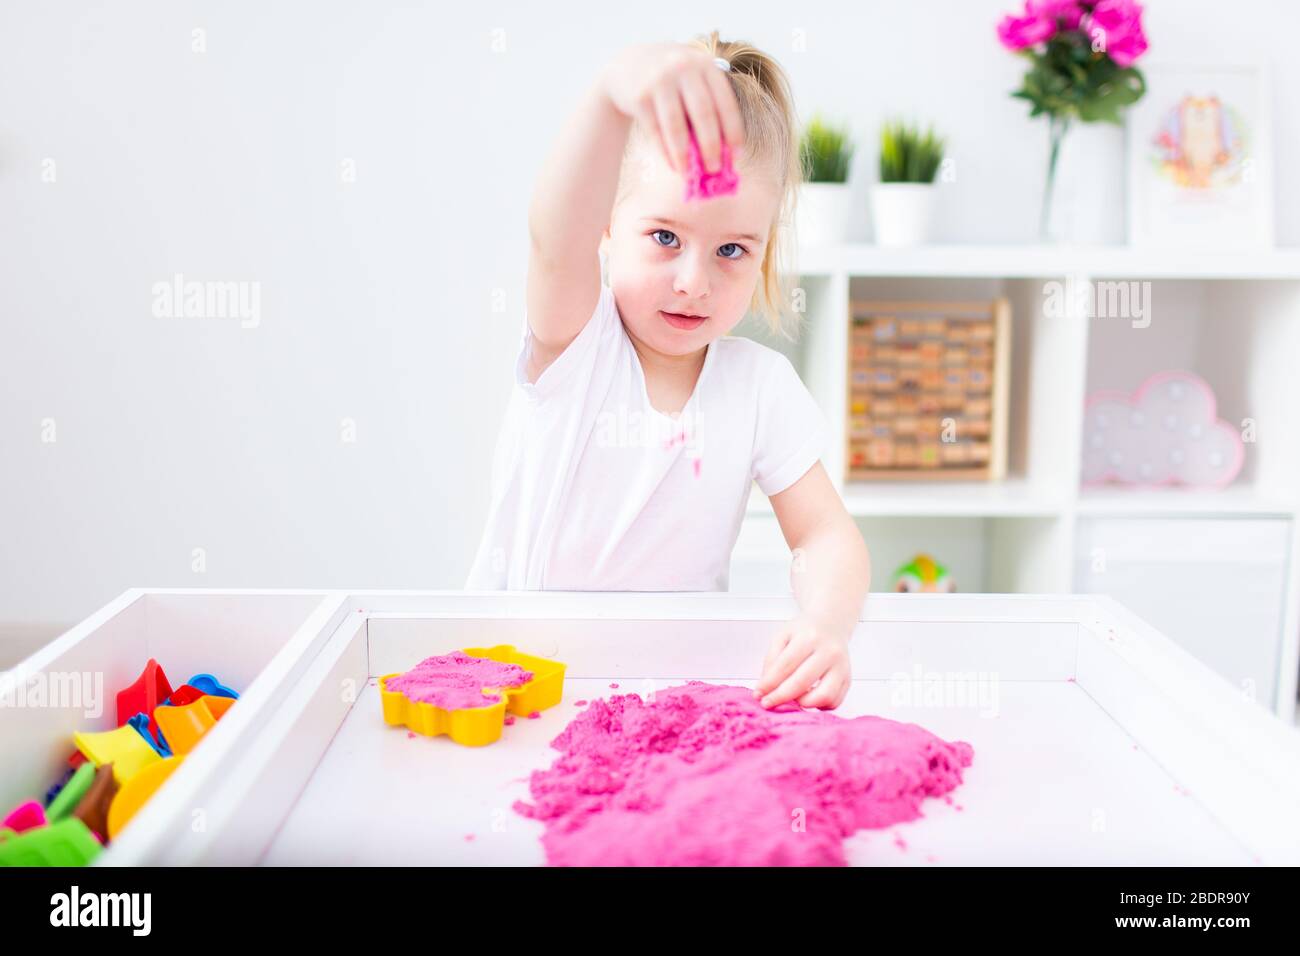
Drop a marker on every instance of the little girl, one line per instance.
(637, 425)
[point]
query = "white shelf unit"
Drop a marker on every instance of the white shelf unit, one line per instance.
(1231, 317)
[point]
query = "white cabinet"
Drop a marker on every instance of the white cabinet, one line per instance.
(1216, 586)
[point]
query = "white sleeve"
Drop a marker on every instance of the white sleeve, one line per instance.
(791, 432)
(555, 374)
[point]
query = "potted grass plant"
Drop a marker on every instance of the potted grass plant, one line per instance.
(823, 212)
(902, 203)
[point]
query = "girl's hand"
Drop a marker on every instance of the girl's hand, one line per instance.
(802, 652)
(662, 85)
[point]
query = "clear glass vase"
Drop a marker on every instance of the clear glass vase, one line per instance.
(1049, 225)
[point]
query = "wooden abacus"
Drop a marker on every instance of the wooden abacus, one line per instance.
(928, 387)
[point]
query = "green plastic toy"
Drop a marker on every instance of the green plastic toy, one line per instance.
(925, 575)
(66, 800)
(66, 843)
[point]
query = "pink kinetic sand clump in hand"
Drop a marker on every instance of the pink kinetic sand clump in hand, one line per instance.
(702, 184)
(456, 681)
(705, 775)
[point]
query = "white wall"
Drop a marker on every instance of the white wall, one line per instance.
(378, 296)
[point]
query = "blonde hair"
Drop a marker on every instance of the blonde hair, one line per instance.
(772, 140)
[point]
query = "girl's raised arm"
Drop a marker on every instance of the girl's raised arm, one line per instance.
(658, 85)
(569, 211)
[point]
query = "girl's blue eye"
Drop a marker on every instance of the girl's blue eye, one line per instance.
(738, 253)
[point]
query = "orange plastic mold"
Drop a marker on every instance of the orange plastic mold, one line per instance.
(184, 726)
(477, 726)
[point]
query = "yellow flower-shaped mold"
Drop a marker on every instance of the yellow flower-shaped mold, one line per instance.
(478, 726)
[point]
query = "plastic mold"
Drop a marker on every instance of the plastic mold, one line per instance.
(71, 793)
(185, 694)
(141, 723)
(478, 726)
(94, 806)
(183, 727)
(66, 843)
(25, 816)
(207, 684)
(124, 748)
(150, 689)
(137, 791)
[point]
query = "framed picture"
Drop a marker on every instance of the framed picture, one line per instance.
(1200, 159)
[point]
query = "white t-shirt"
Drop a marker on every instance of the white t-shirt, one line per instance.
(593, 489)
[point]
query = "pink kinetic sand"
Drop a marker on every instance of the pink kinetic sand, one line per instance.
(702, 184)
(705, 775)
(456, 681)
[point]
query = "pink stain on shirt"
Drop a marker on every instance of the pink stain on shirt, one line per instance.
(702, 184)
(705, 775)
(456, 681)
(613, 687)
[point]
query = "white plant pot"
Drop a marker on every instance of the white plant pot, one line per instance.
(822, 216)
(902, 213)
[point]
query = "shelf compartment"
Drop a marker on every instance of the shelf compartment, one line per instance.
(1216, 586)
(927, 390)
(1242, 339)
(984, 554)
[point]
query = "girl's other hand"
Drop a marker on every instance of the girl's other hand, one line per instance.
(802, 652)
(662, 86)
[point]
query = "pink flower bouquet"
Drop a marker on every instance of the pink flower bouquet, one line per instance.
(1081, 57)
